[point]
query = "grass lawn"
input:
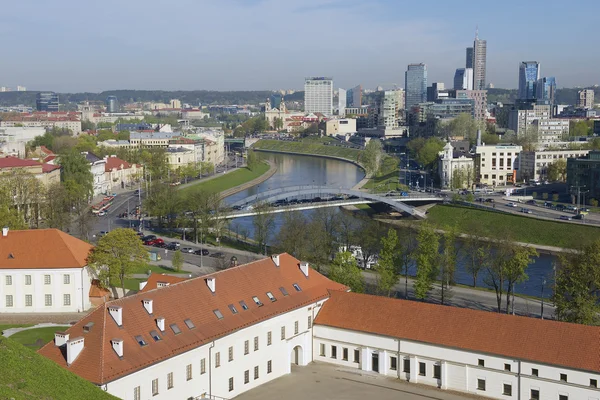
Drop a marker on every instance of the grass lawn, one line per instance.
(520, 229)
(31, 336)
(27, 375)
(310, 146)
(229, 180)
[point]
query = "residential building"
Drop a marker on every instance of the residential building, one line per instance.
(43, 271)
(152, 139)
(551, 130)
(120, 173)
(178, 156)
(585, 172)
(46, 101)
(214, 144)
(193, 114)
(354, 97)
(340, 126)
(463, 79)
(456, 168)
(137, 126)
(545, 90)
(342, 102)
(479, 63)
(98, 169)
(318, 95)
(497, 165)
(436, 91)
(415, 84)
(529, 74)
(13, 140)
(585, 99)
(443, 109)
(21, 89)
(534, 164)
(48, 174)
(479, 98)
(470, 58)
(520, 119)
(112, 104)
(175, 103)
(390, 109)
(48, 120)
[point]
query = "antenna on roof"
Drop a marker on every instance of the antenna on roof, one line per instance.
(476, 32)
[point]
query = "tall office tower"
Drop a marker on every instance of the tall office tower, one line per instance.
(463, 79)
(469, 63)
(415, 84)
(529, 73)
(112, 104)
(46, 101)
(318, 95)
(585, 99)
(545, 90)
(342, 102)
(276, 99)
(354, 97)
(479, 63)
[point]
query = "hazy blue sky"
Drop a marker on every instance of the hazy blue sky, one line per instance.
(68, 45)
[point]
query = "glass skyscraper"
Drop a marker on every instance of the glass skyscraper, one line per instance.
(112, 104)
(469, 63)
(46, 101)
(415, 83)
(545, 89)
(479, 63)
(529, 73)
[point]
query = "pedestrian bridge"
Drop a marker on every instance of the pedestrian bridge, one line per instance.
(352, 197)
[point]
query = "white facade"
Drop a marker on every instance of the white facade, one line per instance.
(552, 130)
(450, 369)
(178, 156)
(585, 99)
(342, 102)
(73, 125)
(318, 95)
(496, 164)
(449, 165)
(534, 164)
(98, 169)
(14, 139)
(44, 290)
(340, 126)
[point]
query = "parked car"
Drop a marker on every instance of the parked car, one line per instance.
(526, 210)
(579, 216)
(154, 242)
(560, 207)
(531, 202)
(204, 252)
(565, 218)
(218, 255)
(511, 204)
(173, 246)
(102, 213)
(187, 250)
(489, 200)
(102, 233)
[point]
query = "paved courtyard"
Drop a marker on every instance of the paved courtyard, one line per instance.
(324, 381)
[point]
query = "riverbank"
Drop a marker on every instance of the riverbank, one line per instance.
(270, 172)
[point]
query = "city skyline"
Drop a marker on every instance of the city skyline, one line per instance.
(73, 57)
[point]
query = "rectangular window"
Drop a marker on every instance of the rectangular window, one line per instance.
(257, 301)
(8, 280)
(189, 323)
(344, 354)
(170, 380)
(357, 356)
(422, 369)
(406, 367)
(232, 309)
(507, 389)
(283, 291)
(66, 299)
(9, 300)
(175, 329)
(296, 328)
(154, 387)
(246, 347)
(218, 314)
(333, 352)
(246, 376)
(203, 366)
(269, 367)
(481, 384)
(563, 377)
(283, 333)
(481, 363)
(67, 279)
(393, 363)
(309, 321)
(137, 393)
(563, 397)
(534, 371)
(28, 300)
(48, 300)
(230, 353)
(437, 371)
(534, 394)
(217, 359)
(243, 305)
(47, 280)
(28, 279)
(297, 287)
(256, 372)
(231, 384)
(271, 297)
(507, 367)
(255, 343)
(594, 383)
(188, 372)
(322, 350)
(269, 338)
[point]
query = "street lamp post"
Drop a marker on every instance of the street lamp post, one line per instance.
(542, 310)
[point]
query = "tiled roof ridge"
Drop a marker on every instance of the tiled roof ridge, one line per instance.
(63, 237)
(103, 306)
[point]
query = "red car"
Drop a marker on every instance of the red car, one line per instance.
(154, 242)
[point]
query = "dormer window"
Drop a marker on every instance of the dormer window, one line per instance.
(140, 341)
(257, 301)
(189, 323)
(283, 291)
(271, 297)
(244, 305)
(233, 309)
(297, 287)
(155, 336)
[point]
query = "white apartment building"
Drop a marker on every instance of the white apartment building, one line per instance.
(119, 173)
(534, 164)
(43, 271)
(179, 156)
(340, 126)
(585, 99)
(193, 114)
(497, 165)
(98, 169)
(152, 139)
(71, 124)
(552, 130)
(13, 140)
(453, 162)
(519, 120)
(318, 95)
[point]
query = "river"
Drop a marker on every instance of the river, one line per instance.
(308, 170)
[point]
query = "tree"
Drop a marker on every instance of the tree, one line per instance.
(448, 262)
(476, 251)
(252, 160)
(557, 171)
(76, 171)
(426, 258)
(496, 269)
(425, 151)
(463, 125)
(117, 256)
(387, 267)
(516, 267)
(545, 196)
(345, 271)
(529, 139)
(177, 260)
(577, 286)
(458, 178)
(372, 156)
(63, 144)
(555, 197)
(593, 202)
(293, 235)
(579, 128)
(263, 222)
(57, 207)
(406, 255)
(201, 204)
(368, 238)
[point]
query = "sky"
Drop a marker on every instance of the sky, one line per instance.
(74, 46)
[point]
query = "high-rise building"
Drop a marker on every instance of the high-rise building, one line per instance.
(415, 84)
(437, 90)
(275, 100)
(479, 63)
(529, 73)
(46, 101)
(479, 98)
(21, 89)
(469, 62)
(585, 99)
(354, 97)
(318, 95)
(112, 104)
(463, 79)
(545, 90)
(390, 107)
(342, 102)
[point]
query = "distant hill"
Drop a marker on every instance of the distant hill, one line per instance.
(27, 375)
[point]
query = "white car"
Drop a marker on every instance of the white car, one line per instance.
(511, 205)
(187, 250)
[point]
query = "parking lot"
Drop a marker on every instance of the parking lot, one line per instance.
(324, 381)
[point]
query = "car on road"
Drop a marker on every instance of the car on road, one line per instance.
(579, 216)
(218, 254)
(153, 242)
(511, 204)
(526, 211)
(531, 202)
(560, 207)
(148, 237)
(173, 246)
(565, 218)
(187, 250)
(102, 233)
(489, 200)
(102, 213)
(203, 252)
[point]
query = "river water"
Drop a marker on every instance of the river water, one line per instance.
(307, 170)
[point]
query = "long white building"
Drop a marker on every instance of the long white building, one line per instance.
(220, 335)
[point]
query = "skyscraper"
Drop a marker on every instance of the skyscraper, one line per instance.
(354, 97)
(479, 63)
(463, 79)
(585, 99)
(46, 101)
(415, 83)
(545, 90)
(318, 95)
(112, 104)
(342, 102)
(529, 73)
(469, 63)
(275, 100)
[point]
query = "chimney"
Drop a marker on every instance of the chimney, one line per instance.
(304, 268)
(211, 282)
(148, 305)
(275, 258)
(5, 231)
(117, 345)
(478, 137)
(60, 338)
(160, 322)
(74, 347)
(117, 313)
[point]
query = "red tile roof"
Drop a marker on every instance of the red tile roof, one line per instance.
(42, 248)
(524, 338)
(15, 162)
(192, 300)
(116, 163)
(154, 279)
